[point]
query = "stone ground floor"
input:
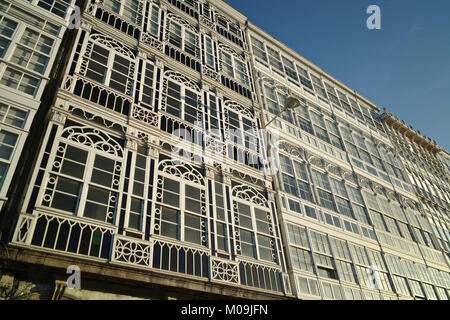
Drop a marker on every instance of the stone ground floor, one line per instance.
(31, 275)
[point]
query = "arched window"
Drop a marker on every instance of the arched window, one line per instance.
(181, 98)
(180, 211)
(182, 35)
(110, 63)
(84, 177)
(131, 10)
(233, 65)
(254, 228)
(241, 134)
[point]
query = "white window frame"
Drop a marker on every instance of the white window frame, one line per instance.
(211, 54)
(181, 209)
(85, 182)
(184, 29)
(235, 61)
(109, 67)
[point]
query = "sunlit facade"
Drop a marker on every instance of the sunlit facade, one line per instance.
(30, 36)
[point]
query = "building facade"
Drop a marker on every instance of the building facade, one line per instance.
(427, 167)
(158, 174)
(31, 33)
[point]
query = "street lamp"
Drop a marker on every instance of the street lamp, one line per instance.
(291, 103)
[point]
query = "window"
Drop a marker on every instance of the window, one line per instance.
(294, 206)
(345, 271)
(320, 243)
(234, 67)
(247, 243)
(271, 100)
(401, 285)
(355, 109)
(289, 68)
(304, 77)
(221, 226)
(318, 86)
(8, 141)
(147, 87)
(295, 183)
(112, 5)
(332, 94)
(140, 190)
(136, 211)
(392, 225)
(310, 212)
(207, 12)
(334, 135)
(340, 249)
(213, 112)
(110, 68)
(359, 254)
(228, 25)
(344, 207)
(319, 127)
(360, 214)
(183, 38)
(7, 29)
(355, 195)
(304, 120)
(57, 7)
(13, 116)
(129, 9)
(222, 243)
(377, 220)
(275, 101)
(344, 101)
(33, 20)
(20, 81)
(325, 266)
(246, 215)
(326, 199)
(76, 168)
(209, 53)
(183, 103)
(102, 192)
(241, 127)
(332, 220)
(321, 180)
(259, 50)
(275, 60)
(371, 201)
(297, 235)
(405, 230)
(308, 286)
(153, 20)
(254, 225)
(181, 202)
(339, 187)
(301, 259)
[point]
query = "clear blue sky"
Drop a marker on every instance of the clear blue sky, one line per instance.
(404, 67)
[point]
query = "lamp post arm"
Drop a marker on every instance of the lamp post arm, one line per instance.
(277, 116)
